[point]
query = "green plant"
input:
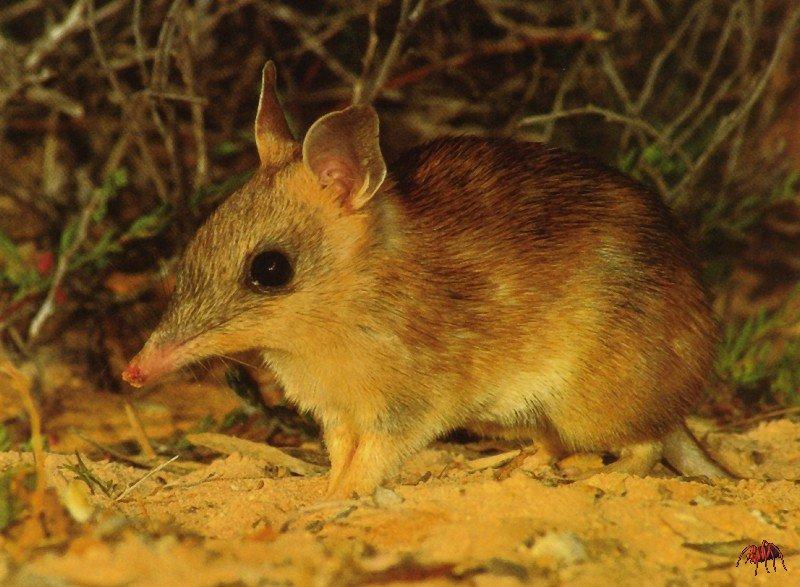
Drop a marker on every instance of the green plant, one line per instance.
(757, 359)
(26, 446)
(109, 488)
(735, 218)
(17, 272)
(10, 505)
(206, 424)
(5, 438)
(669, 166)
(243, 385)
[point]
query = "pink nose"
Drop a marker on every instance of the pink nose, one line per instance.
(152, 362)
(134, 375)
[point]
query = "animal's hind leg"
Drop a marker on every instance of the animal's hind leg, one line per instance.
(546, 447)
(546, 451)
(637, 459)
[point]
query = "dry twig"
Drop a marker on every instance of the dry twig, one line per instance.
(48, 306)
(372, 83)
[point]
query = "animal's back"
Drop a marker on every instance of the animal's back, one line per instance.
(564, 276)
(533, 199)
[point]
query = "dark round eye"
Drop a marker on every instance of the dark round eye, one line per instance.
(270, 269)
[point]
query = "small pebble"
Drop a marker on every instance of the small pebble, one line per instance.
(701, 501)
(75, 498)
(558, 549)
(386, 497)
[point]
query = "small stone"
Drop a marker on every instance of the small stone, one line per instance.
(557, 549)
(760, 516)
(75, 497)
(381, 562)
(386, 497)
(701, 501)
(315, 526)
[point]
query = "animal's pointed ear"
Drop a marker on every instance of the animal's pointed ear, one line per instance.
(273, 138)
(343, 151)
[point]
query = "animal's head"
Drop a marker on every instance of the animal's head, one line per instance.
(267, 268)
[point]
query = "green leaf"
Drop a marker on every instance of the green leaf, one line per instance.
(108, 487)
(16, 270)
(68, 236)
(148, 225)
(100, 252)
(227, 148)
(115, 181)
(8, 250)
(626, 161)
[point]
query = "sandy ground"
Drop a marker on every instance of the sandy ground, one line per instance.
(452, 516)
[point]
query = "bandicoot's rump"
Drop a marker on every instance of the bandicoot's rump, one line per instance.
(473, 281)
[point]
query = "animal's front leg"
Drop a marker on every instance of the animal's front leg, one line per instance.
(376, 456)
(340, 440)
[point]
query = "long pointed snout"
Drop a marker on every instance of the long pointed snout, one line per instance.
(153, 362)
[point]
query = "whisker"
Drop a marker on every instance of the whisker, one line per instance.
(239, 361)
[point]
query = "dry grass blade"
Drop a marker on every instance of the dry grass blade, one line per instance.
(227, 445)
(20, 384)
(147, 475)
(137, 461)
(138, 431)
(493, 461)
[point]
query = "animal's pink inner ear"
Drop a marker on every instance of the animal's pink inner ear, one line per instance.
(343, 151)
(337, 174)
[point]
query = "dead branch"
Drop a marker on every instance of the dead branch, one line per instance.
(91, 201)
(610, 116)
(730, 122)
(375, 80)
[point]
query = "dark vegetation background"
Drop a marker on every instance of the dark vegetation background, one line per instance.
(123, 123)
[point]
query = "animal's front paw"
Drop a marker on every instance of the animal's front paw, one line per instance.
(347, 488)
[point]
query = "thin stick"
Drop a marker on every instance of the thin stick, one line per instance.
(145, 476)
(136, 461)
(310, 42)
(610, 116)
(710, 70)
(483, 49)
(369, 55)
(138, 431)
(732, 120)
(48, 306)
(661, 58)
(130, 107)
(405, 24)
(72, 24)
(760, 417)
